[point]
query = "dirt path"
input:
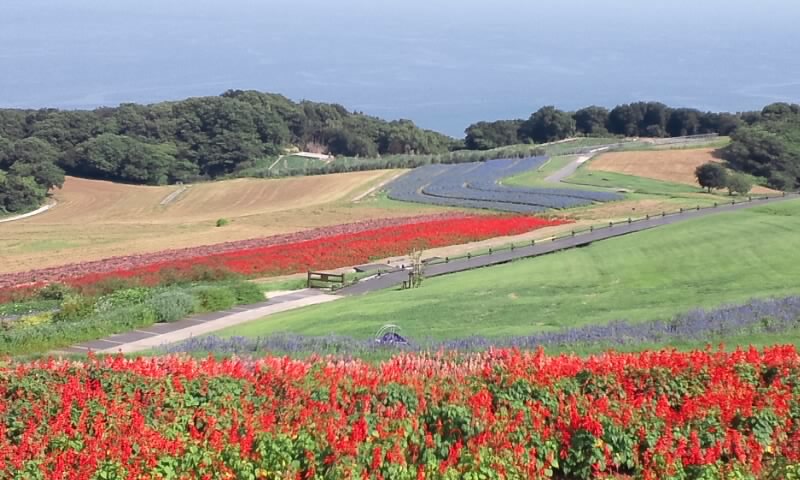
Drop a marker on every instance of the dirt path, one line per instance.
(375, 188)
(569, 169)
(30, 214)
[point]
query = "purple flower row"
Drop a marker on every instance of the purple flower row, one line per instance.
(757, 316)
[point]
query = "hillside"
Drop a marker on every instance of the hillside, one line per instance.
(97, 219)
(676, 166)
(187, 140)
(652, 275)
(770, 147)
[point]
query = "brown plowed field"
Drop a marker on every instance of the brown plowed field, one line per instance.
(668, 165)
(97, 219)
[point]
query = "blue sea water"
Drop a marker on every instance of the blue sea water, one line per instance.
(442, 63)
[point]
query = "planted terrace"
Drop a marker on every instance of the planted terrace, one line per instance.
(477, 185)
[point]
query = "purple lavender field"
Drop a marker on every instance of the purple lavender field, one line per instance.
(766, 316)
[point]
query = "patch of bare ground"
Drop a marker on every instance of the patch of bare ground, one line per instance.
(668, 165)
(97, 219)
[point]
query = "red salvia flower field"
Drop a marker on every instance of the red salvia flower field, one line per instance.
(499, 414)
(285, 254)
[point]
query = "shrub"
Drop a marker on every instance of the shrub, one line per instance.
(46, 336)
(171, 306)
(711, 175)
(214, 299)
(109, 285)
(123, 298)
(246, 292)
(74, 308)
(35, 319)
(222, 222)
(207, 273)
(54, 291)
(739, 183)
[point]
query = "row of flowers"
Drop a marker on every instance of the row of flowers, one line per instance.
(501, 414)
(127, 262)
(324, 252)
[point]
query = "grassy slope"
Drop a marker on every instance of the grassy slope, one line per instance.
(633, 183)
(644, 276)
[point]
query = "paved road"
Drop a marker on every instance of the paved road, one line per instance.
(396, 278)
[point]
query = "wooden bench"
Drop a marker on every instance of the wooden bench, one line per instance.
(326, 278)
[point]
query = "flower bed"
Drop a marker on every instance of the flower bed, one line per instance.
(63, 272)
(500, 414)
(291, 254)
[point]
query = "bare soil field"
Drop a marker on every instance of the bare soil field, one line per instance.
(97, 219)
(668, 165)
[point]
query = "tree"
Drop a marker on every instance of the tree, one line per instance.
(33, 157)
(770, 150)
(684, 121)
(488, 135)
(711, 175)
(548, 124)
(20, 193)
(592, 121)
(5, 152)
(739, 183)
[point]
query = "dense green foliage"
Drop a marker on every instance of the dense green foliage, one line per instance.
(488, 135)
(770, 147)
(640, 119)
(27, 171)
(547, 124)
(60, 316)
(243, 132)
(739, 183)
(711, 175)
(196, 138)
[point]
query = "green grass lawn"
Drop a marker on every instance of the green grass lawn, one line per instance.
(726, 258)
(617, 181)
(535, 178)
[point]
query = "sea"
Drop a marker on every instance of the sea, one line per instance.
(442, 63)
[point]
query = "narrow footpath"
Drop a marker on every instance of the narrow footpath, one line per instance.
(165, 333)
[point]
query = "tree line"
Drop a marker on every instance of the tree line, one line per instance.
(769, 148)
(240, 131)
(639, 119)
(188, 140)
(764, 144)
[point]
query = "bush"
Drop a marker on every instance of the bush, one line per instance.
(45, 336)
(110, 285)
(739, 183)
(34, 319)
(127, 297)
(711, 175)
(222, 222)
(171, 306)
(247, 292)
(54, 291)
(214, 299)
(74, 308)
